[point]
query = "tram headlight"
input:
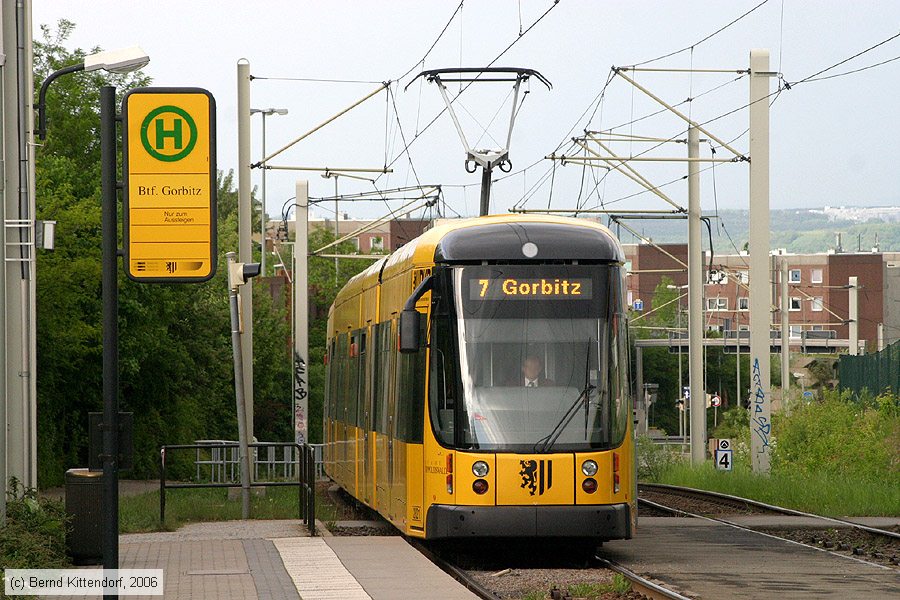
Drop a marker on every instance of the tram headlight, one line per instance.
(480, 468)
(589, 468)
(480, 486)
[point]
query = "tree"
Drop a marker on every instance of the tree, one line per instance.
(175, 361)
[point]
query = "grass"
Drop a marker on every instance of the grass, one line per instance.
(816, 493)
(586, 590)
(591, 591)
(141, 513)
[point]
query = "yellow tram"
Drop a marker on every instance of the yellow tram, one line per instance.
(478, 383)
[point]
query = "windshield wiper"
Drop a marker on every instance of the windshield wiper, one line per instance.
(546, 442)
(551, 438)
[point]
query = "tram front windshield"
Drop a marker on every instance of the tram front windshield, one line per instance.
(540, 359)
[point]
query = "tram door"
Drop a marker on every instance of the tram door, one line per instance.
(366, 398)
(383, 418)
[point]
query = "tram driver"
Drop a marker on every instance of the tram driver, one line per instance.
(532, 374)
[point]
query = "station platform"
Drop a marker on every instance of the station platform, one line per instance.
(278, 560)
(706, 559)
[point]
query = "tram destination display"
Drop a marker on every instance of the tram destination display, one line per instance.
(545, 288)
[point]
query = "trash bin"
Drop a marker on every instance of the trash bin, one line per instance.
(84, 499)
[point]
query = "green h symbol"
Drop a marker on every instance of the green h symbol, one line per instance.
(162, 133)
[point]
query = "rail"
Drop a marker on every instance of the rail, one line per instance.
(641, 585)
(770, 507)
(305, 468)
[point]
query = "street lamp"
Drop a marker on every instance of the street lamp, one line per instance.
(113, 61)
(262, 231)
(119, 61)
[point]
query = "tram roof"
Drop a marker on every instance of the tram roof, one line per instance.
(495, 237)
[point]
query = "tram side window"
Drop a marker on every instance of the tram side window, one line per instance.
(411, 393)
(353, 379)
(382, 375)
(361, 396)
(329, 381)
(620, 404)
(443, 382)
(340, 387)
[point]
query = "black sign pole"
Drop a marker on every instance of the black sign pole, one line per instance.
(110, 293)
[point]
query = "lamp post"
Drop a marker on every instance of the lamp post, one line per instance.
(262, 231)
(112, 61)
(118, 61)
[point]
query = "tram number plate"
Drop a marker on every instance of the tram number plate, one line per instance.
(724, 460)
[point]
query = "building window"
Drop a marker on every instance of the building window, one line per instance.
(744, 276)
(355, 242)
(743, 303)
(818, 328)
(795, 331)
(794, 276)
(717, 304)
(795, 304)
(816, 276)
(817, 305)
(378, 243)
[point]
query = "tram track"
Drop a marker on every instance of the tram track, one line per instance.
(757, 507)
(842, 537)
(554, 574)
(641, 585)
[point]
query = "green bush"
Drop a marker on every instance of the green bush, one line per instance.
(34, 536)
(835, 456)
(840, 437)
(654, 460)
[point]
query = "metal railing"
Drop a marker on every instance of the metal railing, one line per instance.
(222, 464)
(224, 459)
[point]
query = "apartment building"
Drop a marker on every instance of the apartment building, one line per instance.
(382, 238)
(818, 295)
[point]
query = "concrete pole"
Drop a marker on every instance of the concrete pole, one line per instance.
(262, 215)
(19, 448)
(245, 231)
(854, 316)
(301, 314)
(785, 334)
(760, 317)
(7, 119)
(337, 232)
(26, 59)
(239, 399)
(738, 399)
(695, 304)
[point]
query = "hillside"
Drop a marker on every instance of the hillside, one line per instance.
(797, 230)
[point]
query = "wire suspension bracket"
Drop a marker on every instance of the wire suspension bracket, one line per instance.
(486, 158)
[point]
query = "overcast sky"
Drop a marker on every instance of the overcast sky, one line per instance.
(833, 142)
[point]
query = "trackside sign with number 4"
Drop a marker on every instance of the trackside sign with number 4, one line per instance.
(724, 455)
(169, 149)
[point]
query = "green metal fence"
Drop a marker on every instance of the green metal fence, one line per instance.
(878, 372)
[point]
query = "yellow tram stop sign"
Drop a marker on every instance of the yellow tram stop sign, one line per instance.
(169, 149)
